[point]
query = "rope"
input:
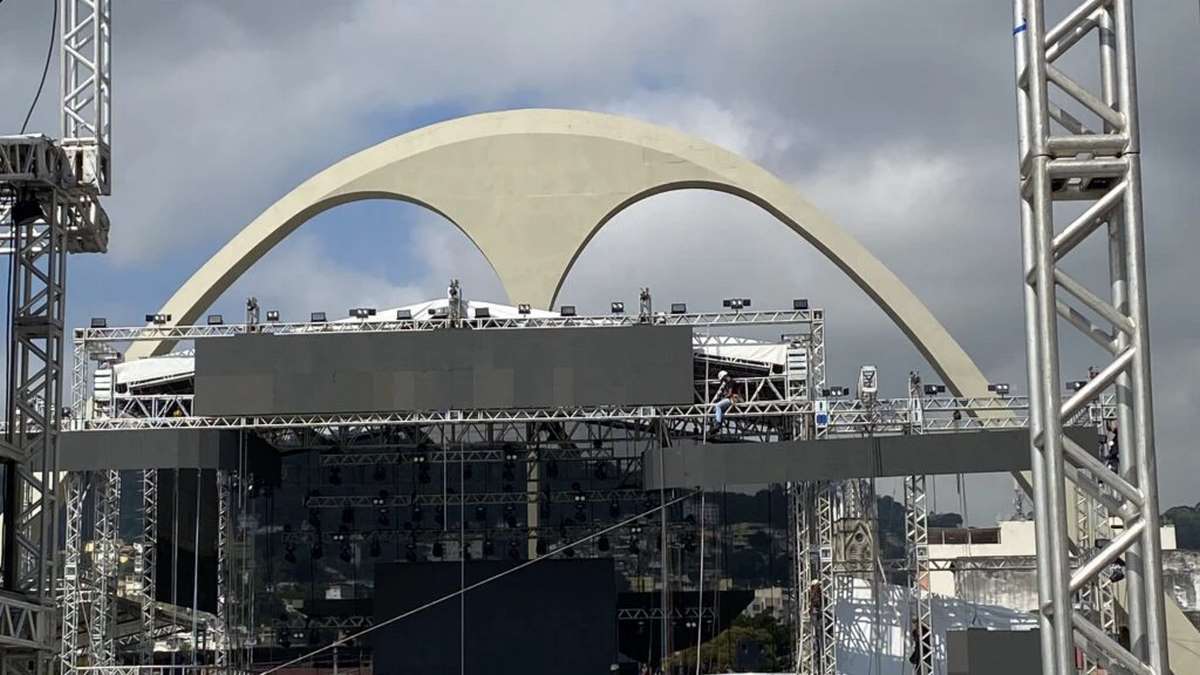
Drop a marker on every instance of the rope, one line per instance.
(479, 584)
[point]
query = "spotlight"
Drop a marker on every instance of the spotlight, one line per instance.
(317, 317)
(511, 453)
(800, 303)
(835, 392)
(566, 310)
(934, 389)
(317, 552)
(216, 320)
(483, 313)
(404, 315)
(679, 308)
(272, 315)
(1000, 388)
(158, 319)
(99, 322)
(617, 308)
(440, 312)
(736, 304)
(524, 308)
(1076, 385)
(362, 312)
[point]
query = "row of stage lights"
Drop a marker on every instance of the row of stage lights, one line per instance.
(999, 389)
(616, 307)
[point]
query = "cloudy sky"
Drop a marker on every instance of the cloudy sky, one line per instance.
(896, 118)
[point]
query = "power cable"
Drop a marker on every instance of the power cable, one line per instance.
(450, 596)
(45, 67)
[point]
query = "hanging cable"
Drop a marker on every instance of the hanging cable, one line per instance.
(479, 584)
(700, 588)
(45, 67)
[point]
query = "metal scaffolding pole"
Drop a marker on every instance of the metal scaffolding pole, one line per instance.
(148, 561)
(1063, 157)
(826, 498)
(71, 598)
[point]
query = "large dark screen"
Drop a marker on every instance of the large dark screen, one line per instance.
(554, 617)
(445, 369)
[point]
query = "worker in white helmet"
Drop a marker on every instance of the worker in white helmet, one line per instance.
(725, 398)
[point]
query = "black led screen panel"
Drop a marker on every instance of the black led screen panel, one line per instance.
(444, 369)
(555, 617)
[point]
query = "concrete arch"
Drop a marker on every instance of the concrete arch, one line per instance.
(531, 187)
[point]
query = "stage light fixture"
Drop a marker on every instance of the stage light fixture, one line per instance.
(835, 392)
(99, 322)
(736, 304)
(158, 319)
(404, 315)
(272, 315)
(934, 389)
(483, 313)
(362, 312)
(617, 308)
(1076, 385)
(216, 320)
(524, 308)
(566, 310)
(317, 317)
(1000, 388)
(679, 308)
(800, 303)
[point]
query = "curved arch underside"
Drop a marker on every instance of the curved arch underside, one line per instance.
(531, 187)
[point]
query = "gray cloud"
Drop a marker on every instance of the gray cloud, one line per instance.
(896, 118)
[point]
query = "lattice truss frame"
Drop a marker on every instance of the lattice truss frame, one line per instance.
(1078, 145)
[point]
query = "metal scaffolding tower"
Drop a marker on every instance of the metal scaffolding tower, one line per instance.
(49, 206)
(1088, 150)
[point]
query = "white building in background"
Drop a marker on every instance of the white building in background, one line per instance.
(1001, 570)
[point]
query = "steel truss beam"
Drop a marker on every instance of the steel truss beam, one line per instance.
(86, 90)
(714, 319)
(148, 561)
(1099, 161)
(893, 416)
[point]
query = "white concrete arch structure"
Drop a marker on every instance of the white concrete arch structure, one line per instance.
(531, 187)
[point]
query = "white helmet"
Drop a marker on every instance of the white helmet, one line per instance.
(723, 374)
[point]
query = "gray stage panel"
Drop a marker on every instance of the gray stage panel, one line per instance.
(713, 465)
(445, 369)
(166, 449)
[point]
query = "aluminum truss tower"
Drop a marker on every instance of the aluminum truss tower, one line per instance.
(49, 206)
(1093, 158)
